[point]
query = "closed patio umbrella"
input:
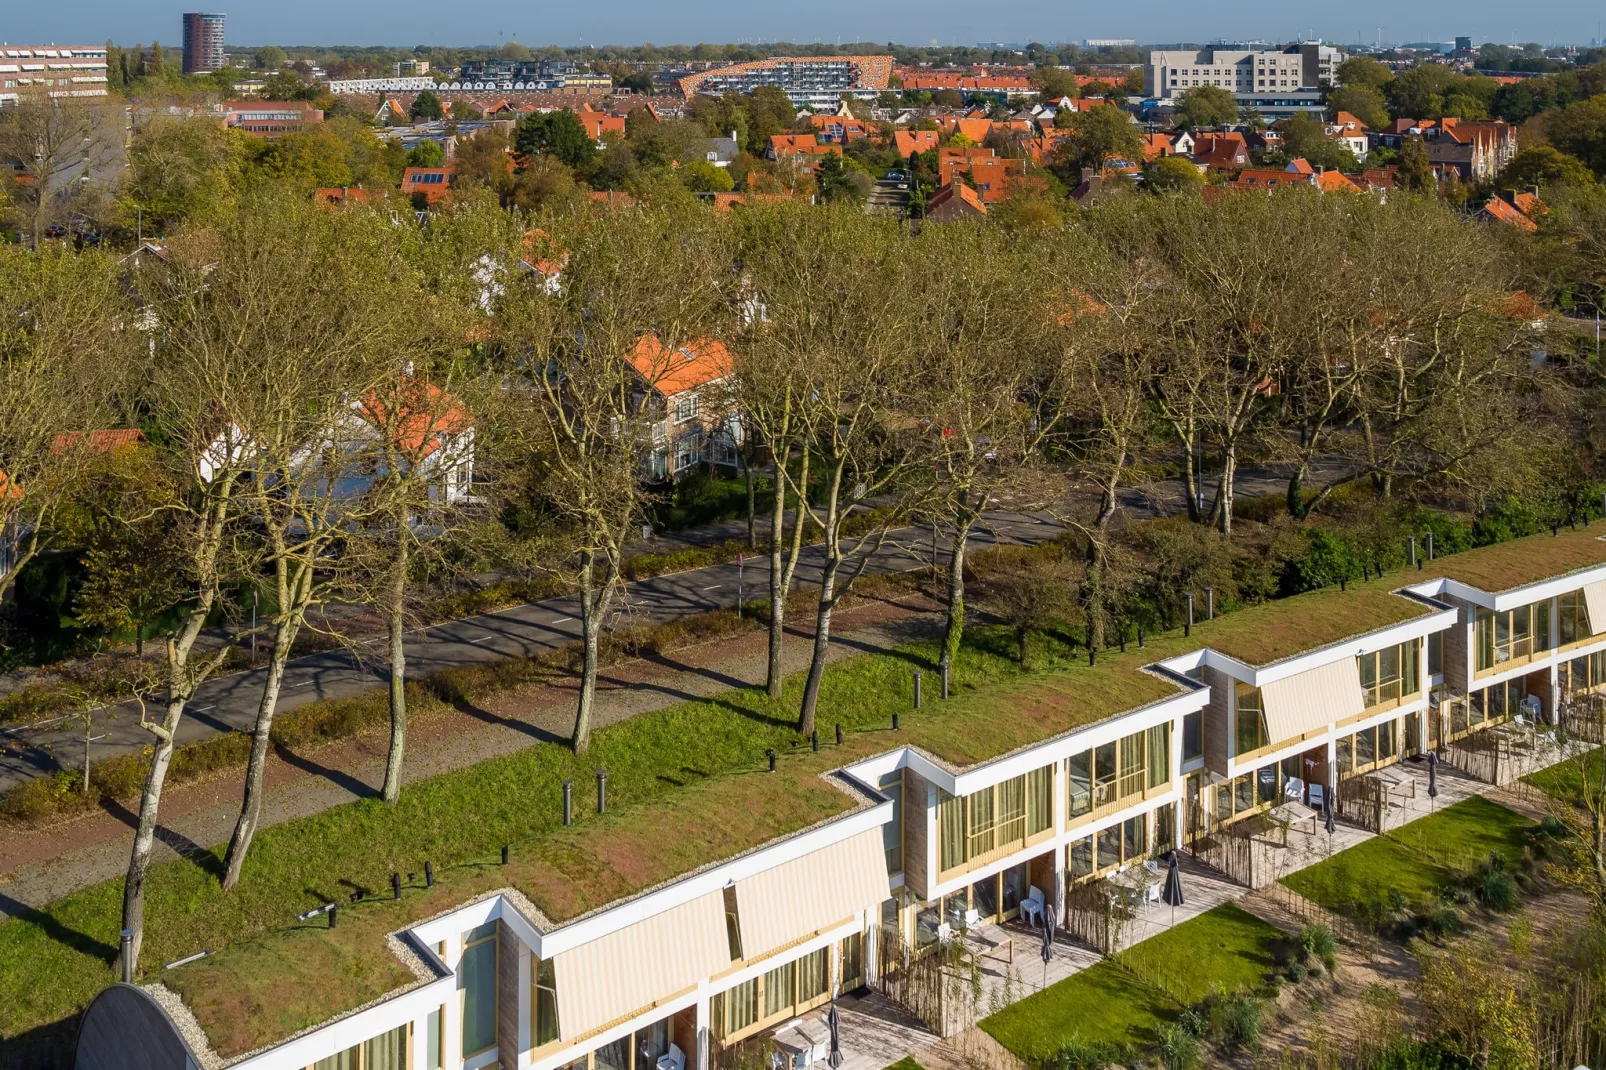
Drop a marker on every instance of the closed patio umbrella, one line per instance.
(1327, 813)
(1048, 939)
(1433, 775)
(833, 1021)
(1172, 893)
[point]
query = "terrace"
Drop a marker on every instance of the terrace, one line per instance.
(260, 991)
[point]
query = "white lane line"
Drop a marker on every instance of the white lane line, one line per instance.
(304, 683)
(203, 709)
(482, 639)
(563, 620)
(710, 588)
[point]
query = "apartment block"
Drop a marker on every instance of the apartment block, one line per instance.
(60, 70)
(810, 81)
(1275, 82)
(722, 911)
(203, 42)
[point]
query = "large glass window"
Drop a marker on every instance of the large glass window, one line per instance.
(546, 1003)
(736, 1008)
(1391, 675)
(951, 816)
(434, 1051)
(892, 832)
(996, 819)
(1039, 800)
(1082, 858)
(1193, 735)
(1159, 755)
(478, 973)
(779, 991)
(1118, 772)
(1080, 779)
(1251, 720)
(1509, 634)
(1572, 618)
(614, 1055)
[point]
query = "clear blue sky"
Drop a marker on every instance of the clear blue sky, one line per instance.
(410, 22)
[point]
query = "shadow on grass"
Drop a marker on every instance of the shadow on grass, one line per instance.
(179, 843)
(65, 934)
(356, 787)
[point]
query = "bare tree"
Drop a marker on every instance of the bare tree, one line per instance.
(639, 289)
(319, 292)
(62, 355)
(837, 321)
(67, 150)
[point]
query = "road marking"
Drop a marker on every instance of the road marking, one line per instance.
(304, 683)
(563, 620)
(482, 638)
(203, 709)
(713, 586)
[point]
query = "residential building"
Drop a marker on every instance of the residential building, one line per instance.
(412, 68)
(427, 185)
(1350, 132)
(684, 388)
(1475, 149)
(1515, 208)
(600, 124)
(397, 84)
(954, 200)
(270, 118)
(1275, 82)
(815, 82)
(60, 70)
(711, 914)
(203, 42)
(909, 142)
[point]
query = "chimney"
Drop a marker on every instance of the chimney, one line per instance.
(1088, 174)
(1533, 191)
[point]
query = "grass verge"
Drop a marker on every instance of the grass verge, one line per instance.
(1104, 1004)
(1564, 781)
(1220, 951)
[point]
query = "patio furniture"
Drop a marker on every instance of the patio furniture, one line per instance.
(1031, 908)
(674, 1060)
(945, 934)
(1293, 813)
(801, 1043)
(1138, 884)
(972, 919)
(1397, 781)
(1318, 795)
(1294, 789)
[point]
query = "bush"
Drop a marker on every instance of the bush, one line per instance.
(1179, 1049)
(1442, 923)
(1078, 1054)
(1456, 895)
(1237, 1020)
(1297, 972)
(1553, 827)
(1316, 941)
(1195, 1021)
(1497, 890)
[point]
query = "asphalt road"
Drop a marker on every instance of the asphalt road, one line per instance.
(229, 703)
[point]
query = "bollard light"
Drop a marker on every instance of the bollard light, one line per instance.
(568, 802)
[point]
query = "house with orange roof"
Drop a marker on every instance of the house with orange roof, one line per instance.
(1220, 154)
(600, 124)
(338, 196)
(995, 178)
(954, 200)
(683, 387)
(427, 186)
(909, 142)
(1159, 146)
(782, 145)
(1269, 179)
(1515, 208)
(431, 431)
(1335, 182)
(839, 129)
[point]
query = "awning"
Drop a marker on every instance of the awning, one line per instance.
(1595, 600)
(1311, 700)
(627, 971)
(796, 899)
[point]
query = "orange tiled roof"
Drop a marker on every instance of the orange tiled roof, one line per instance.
(909, 142)
(672, 372)
(956, 190)
(428, 415)
(98, 441)
(788, 144)
(1498, 208)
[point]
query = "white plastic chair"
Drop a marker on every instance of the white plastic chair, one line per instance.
(945, 933)
(1031, 908)
(1317, 794)
(674, 1060)
(972, 919)
(1294, 789)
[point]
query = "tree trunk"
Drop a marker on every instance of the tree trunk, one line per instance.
(396, 625)
(150, 801)
(1229, 469)
(752, 506)
(772, 677)
(593, 605)
(1093, 594)
(956, 587)
(1020, 644)
(261, 736)
(822, 643)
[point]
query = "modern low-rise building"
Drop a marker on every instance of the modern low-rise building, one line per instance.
(270, 118)
(814, 82)
(1274, 82)
(662, 936)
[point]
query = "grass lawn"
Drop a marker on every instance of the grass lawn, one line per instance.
(1104, 1004)
(54, 960)
(1417, 860)
(1221, 950)
(1564, 780)
(906, 1063)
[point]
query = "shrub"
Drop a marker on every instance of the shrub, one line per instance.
(1553, 827)
(1442, 923)
(1079, 1054)
(1179, 1049)
(1297, 972)
(1195, 1021)
(1237, 1020)
(1497, 890)
(1456, 894)
(1316, 941)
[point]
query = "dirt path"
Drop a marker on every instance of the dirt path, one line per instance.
(38, 865)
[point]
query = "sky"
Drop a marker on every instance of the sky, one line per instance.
(536, 23)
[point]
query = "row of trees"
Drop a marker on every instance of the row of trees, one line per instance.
(294, 370)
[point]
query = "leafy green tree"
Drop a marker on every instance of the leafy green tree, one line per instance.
(1306, 136)
(270, 57)
(1464, 106)
(288, 85)
(700, 176)
(1365, 102)
(1173, 174)
(1580, 130)
(426, 154)
(1053, 83)
(1206, 105)
(1415, 169)
(426, 106)
(1100, 134)
(1419, 92)
(636, 82)
(307, 158)
(1546, 167)
(837, 181)
(181, 169)
(1364, 70)
(559, 133)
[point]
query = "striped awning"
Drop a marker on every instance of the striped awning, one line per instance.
(797, 899)
(1595, 600)
(1312, 700)
(630, 970)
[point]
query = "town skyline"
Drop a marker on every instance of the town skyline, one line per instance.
(300, 22)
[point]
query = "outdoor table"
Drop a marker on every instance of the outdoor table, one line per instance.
(803, 1042)
(1138, 884)
(1398, 779)
(1293, 813)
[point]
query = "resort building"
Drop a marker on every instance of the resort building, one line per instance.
(813, 82)
(666, 934)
